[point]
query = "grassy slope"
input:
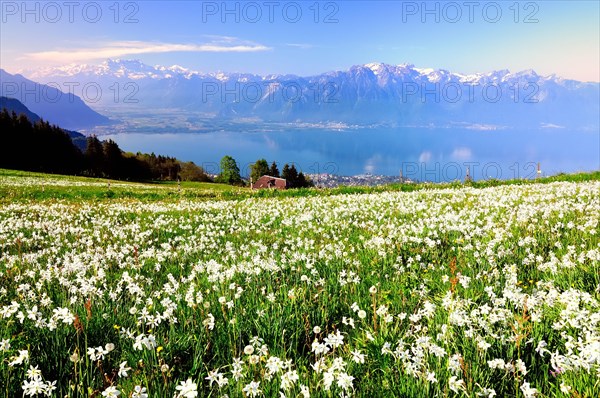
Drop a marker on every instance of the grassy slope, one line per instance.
(22, 185)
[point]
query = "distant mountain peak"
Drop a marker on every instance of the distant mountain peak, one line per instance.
(135, 69)
(374, 92)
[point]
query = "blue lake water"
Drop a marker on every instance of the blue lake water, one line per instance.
(422, 154)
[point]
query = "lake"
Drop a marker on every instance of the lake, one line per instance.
(423, 154)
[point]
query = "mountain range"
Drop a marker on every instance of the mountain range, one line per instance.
(376, 93)
(53, 102)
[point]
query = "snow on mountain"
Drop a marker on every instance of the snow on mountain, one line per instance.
(136, 70)
(370, 93)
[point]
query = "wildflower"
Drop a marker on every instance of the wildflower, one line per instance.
(248, 350)
(186, 389)
(362, 314)
(304, 391)
(215, 376)
(565, 388)
(33, 387)
(487, 393)
(456, 385)
(358, 357)
(288, 379)
(431, 377)
(33, 373)
(254, 359)
(317, 330)
(74, 357)
(251, 389)
(528, 392)
(123, 369)
(344, 381)
(111, 392)
(139, 392)
(23, 356)
(4, 345)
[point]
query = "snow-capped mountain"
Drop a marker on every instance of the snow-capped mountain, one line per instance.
(366, 94)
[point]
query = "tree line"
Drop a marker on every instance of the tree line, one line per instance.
(47, 148)
(230, 173)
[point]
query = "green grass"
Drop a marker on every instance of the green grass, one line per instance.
(425, 280)
(42, 186)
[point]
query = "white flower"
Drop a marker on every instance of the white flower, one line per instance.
(186, 389)
(33, 387)
(373, 289)
(344, 381)
(528, 392)
(288, 379)
(23, 356)
(33, 373)
(362, 314)
(431, 377)
(123, 369)
(251, 389)
(317, 330)
(456, 385)
(4, 345)
(214, 376)
(358, 357)
(111, 392)
(249, 350)
(139, 392)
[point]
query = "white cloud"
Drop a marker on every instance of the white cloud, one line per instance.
(371, 164)
(425, 157)
(462, 154)
(302, 46)
(117, 49)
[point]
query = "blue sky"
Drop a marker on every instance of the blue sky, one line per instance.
(561, 37)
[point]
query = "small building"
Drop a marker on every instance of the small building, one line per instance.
(270, 182)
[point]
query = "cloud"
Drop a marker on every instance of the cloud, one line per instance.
(302, 46)
(117, 49)
(371, 164)
(425, 157)
(462, 154)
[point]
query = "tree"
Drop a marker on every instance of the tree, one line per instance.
(273, 170)
(94, 154)
(191, 172)
(230, 172)
(113, 159)
(304, 181)
(290, 174)
(259, 169)
(295, 179)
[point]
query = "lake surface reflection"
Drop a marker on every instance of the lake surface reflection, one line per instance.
(421, 154)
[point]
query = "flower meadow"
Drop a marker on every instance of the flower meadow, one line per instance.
(478, 292)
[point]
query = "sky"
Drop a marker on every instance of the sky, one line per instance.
(307, 37)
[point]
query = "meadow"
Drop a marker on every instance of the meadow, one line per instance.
(112, 289)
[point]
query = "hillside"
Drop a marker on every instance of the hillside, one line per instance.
(454, 291)
(53, 105)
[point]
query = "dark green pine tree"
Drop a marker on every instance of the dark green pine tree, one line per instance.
(113, 159)
(273, 170)
(94, 155)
